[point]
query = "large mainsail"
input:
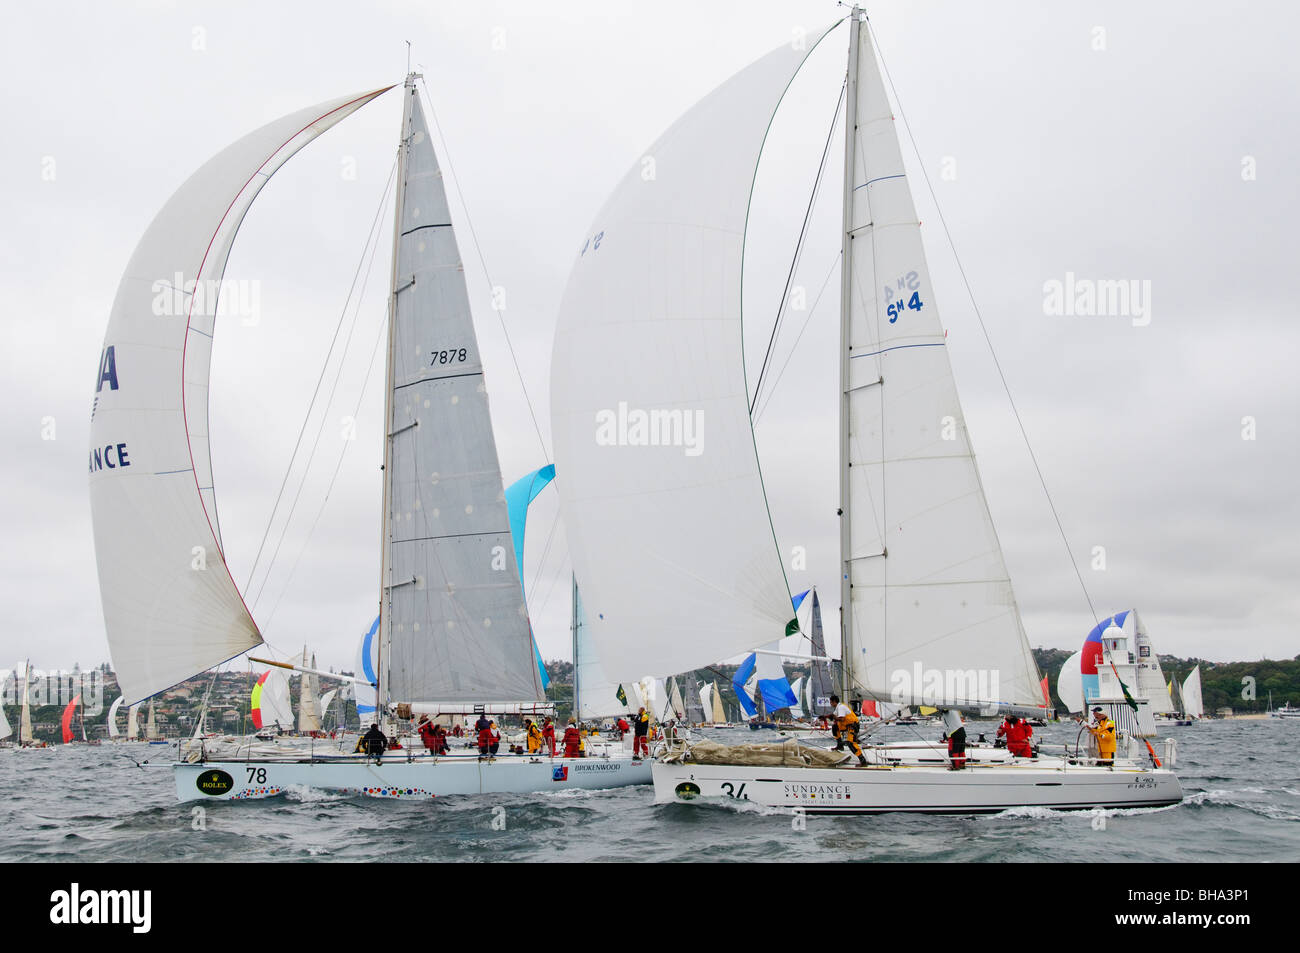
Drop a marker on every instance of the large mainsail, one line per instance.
(171, 607)
(933, 618)
(662, 498)
(453, 621)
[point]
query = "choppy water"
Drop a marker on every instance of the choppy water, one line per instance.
(84, 803)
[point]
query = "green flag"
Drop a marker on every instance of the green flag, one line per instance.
(792, 627)
(622, 695)
(1124, 688)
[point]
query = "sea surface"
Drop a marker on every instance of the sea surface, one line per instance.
(1241, 780)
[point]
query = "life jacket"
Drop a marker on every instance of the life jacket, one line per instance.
(534, 731)
(484, 738)
(549, 732)
(1105, 735)
(572, 738)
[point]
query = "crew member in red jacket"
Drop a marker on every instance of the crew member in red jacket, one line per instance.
(548, 735)
(484, 739)
(428, 734)
(1017, 732)
(572, 740)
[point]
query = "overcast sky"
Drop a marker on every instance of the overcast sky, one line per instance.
(1155, 143)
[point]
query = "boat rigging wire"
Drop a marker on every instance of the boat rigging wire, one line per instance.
(316, 393)
(446, 153)
(798, 250)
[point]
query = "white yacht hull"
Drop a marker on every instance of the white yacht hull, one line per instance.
(925, 789)
(422, 776)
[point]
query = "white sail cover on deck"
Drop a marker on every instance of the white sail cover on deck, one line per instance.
(455, 627)
(662, 498)
(938, 608)
(171, 608)
(1193, 707)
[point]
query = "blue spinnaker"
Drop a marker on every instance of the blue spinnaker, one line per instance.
(518, 496)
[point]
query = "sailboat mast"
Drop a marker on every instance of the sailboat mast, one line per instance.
(385, 536)
(577, 708)
(846, 305)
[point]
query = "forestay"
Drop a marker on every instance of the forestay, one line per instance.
(934, 619)
(455, 628)
(171, 608)
(662, 497)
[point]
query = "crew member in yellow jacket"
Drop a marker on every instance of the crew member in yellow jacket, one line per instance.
(846, 729)
(534, 737)
(1103, 729)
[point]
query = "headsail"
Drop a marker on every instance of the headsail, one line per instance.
(662, 498)
(597, 695)
(455, 628)
(1193, 706)
(112, 716)
(171, 607)
(928, 587)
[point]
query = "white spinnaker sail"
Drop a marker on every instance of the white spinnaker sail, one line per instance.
(171, 607)
(1193, 706)
(325, 701)
(112, 716)
(930, 589)
(133, 722)
(662, 497)
(454, 622)
(706, 700)
(1069, 683)
(597, 695)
